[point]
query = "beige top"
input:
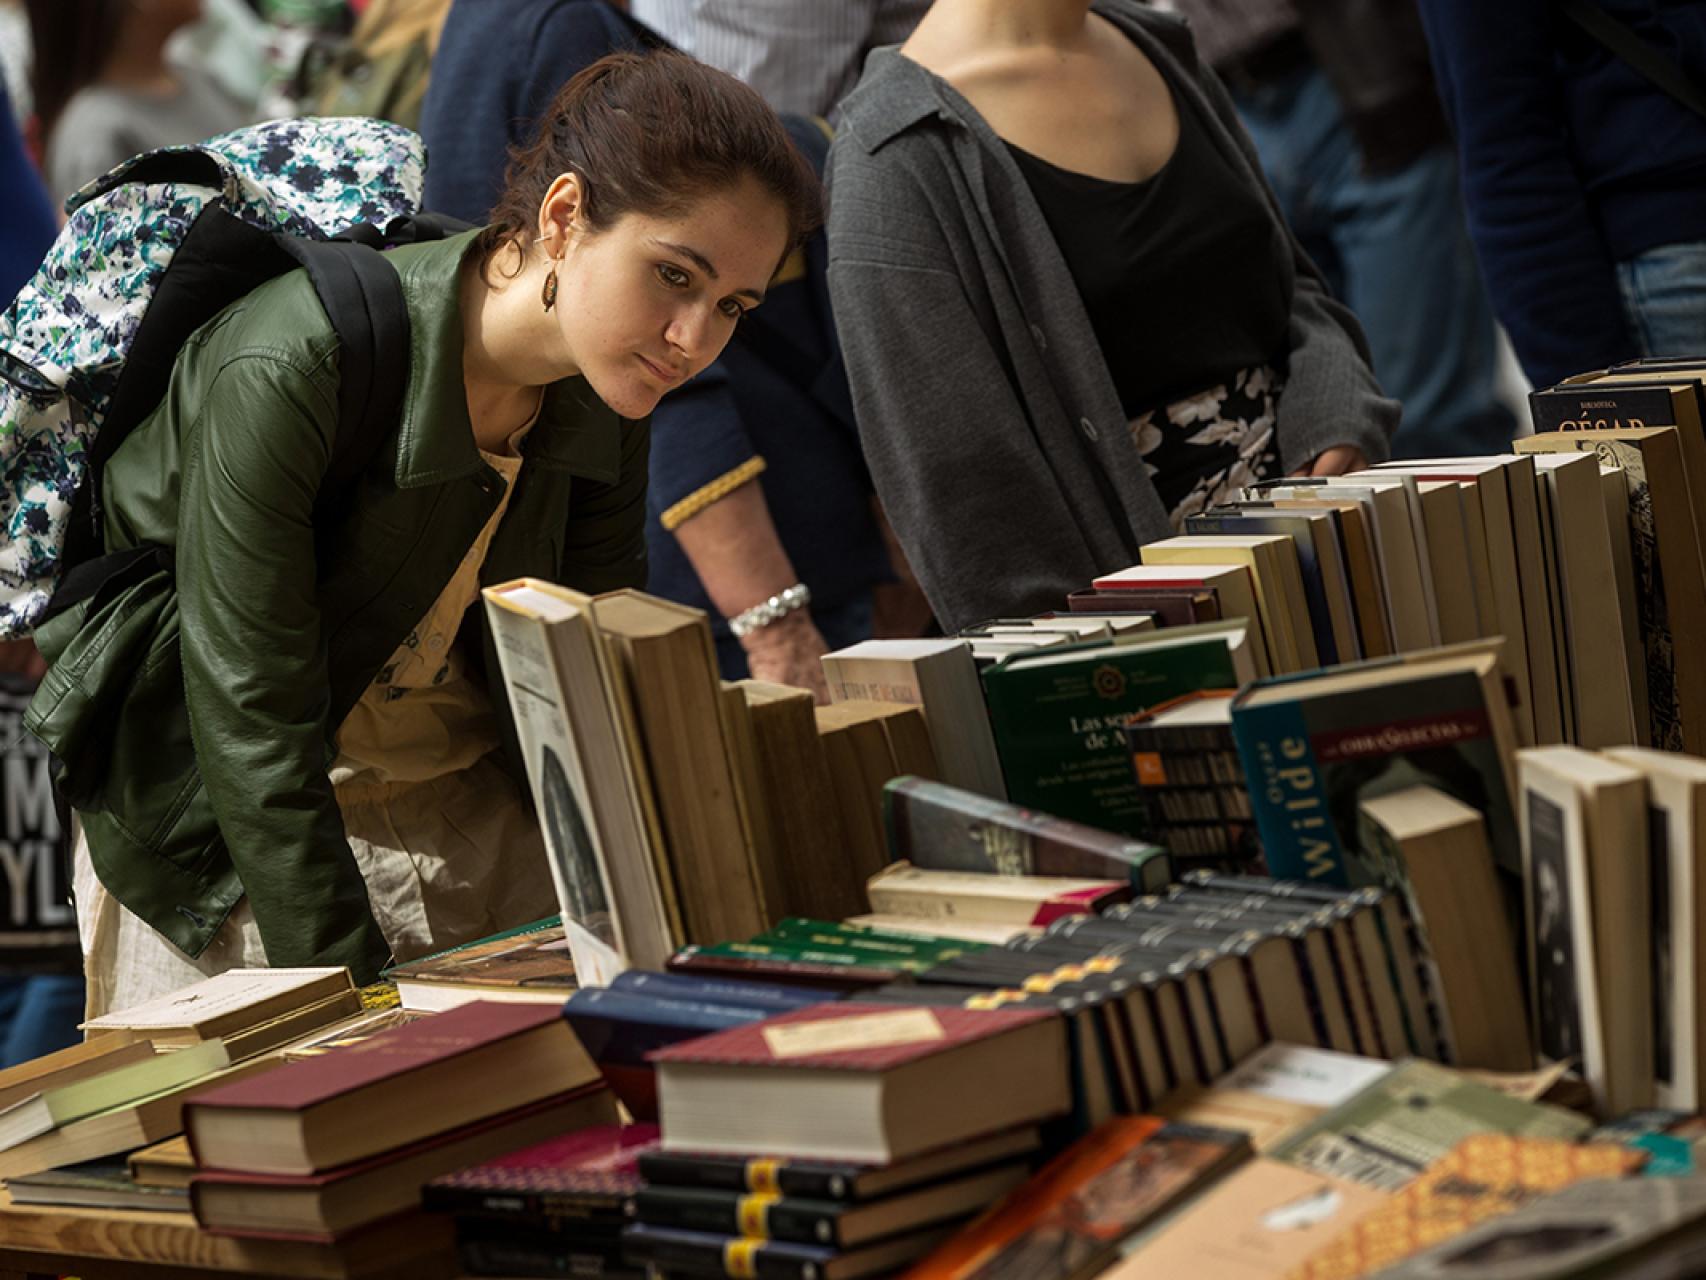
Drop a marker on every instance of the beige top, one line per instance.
(423, 718)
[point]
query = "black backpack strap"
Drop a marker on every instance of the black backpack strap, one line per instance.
(363, 298)
(1628, 45)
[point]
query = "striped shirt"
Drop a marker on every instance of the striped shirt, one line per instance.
(802, 55)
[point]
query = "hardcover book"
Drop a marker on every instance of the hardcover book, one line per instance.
(1069, 1220)
(1315, 747)
(671, 1252)
(224, 1005)
(585, 1175)
(400, 1086)
(861, 1081)
(1059, 716)
(942, 828)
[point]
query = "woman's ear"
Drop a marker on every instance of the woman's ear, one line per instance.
(562, 214)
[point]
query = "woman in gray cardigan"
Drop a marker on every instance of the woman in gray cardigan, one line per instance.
(1071, 312)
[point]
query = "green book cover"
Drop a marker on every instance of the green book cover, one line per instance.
(879, 945)
(809, 953)
(1060, 718)
(1411, 1116)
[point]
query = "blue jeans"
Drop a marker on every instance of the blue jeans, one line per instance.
(38, 1014)
(1395, 247)
(1664, 296)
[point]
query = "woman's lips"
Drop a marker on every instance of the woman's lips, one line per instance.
(663, 374)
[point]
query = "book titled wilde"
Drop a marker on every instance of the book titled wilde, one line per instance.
(1316, 746)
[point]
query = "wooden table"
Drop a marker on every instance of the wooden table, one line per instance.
(111, 1244)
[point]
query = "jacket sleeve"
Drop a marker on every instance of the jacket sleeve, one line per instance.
(1553, 284)
(1331, 396)
(947, 438)
(255, 676)
(604, 548)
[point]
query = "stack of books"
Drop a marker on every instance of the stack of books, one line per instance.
(842, 1140)
(529, 963)
(318, 1148)
(555, 1208)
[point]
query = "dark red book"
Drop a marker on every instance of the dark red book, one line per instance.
(588, 1174)
(329, 1205)
(392, 1089)
(715, 962)
(873, 1082)
(1173, 606)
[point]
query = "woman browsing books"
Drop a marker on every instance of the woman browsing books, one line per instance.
(1070, 310)
(326, 778)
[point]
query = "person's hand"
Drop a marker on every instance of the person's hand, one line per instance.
(789, 651)
(1337, 461)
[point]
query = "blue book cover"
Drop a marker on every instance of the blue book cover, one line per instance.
(770, 997)
(1312, 757)
(622, 1027)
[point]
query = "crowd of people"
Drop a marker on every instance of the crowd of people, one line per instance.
(1085, 268)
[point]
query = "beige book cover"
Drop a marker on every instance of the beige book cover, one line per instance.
(1261, 1221)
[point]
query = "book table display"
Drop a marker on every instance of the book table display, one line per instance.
(116, 1244)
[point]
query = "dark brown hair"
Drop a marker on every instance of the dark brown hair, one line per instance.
(72, 42)
(651, 133)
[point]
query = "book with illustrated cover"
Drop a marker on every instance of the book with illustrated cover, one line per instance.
(530, 962)
(942, 828)
(1060, 716)
(1316, 746)
(1485, 1176)
(1192, 781)
(584, 1176)
(584, 766)
(1409, 1118)
(1069, 1220)
(1586, 1229)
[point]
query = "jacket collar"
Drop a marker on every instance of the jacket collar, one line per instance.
(575, 432)
(896, 93)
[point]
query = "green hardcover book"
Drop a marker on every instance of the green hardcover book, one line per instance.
(1410, 1117)
(1060, 716)
(879, 946)
(812, 953)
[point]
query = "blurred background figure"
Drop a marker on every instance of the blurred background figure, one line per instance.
(1582, 130)
(757, 479)
(105, 90)
(1340, 101)
(41, 980)
(802, 55)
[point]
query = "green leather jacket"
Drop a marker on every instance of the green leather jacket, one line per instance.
(195, 710)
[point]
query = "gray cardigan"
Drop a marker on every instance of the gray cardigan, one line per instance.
(987, 412)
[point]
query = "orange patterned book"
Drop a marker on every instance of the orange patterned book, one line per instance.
(1481, 1178)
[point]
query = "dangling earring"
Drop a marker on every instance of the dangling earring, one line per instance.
(548, 295)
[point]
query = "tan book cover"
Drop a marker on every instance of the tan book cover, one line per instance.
(1263, 1219)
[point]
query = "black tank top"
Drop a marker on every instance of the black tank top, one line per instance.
(1178, 272)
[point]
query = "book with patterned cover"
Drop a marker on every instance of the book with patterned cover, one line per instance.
(848, 1037)
(575, 1175)
(1482, 1177)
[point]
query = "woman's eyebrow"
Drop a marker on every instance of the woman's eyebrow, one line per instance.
(692, 255)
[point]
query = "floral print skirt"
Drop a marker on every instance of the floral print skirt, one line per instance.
(1202, 450)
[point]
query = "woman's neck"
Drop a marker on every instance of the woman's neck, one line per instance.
(509, 340)
(992, 24)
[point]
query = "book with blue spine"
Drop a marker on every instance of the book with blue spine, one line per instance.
(772, 997)
(1315, 745)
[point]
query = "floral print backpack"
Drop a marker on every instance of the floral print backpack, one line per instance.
(152, 251)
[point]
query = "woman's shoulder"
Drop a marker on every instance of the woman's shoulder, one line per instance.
(278, 330)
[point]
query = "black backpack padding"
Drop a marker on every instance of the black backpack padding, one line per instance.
(221, 259)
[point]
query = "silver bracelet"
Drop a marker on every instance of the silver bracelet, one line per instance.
(774, 609)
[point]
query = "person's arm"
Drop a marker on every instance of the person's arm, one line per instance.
(1553, 284)
(733, 546)
(255, 675)
(1332, 414)
(945, 436)
(705, 473)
